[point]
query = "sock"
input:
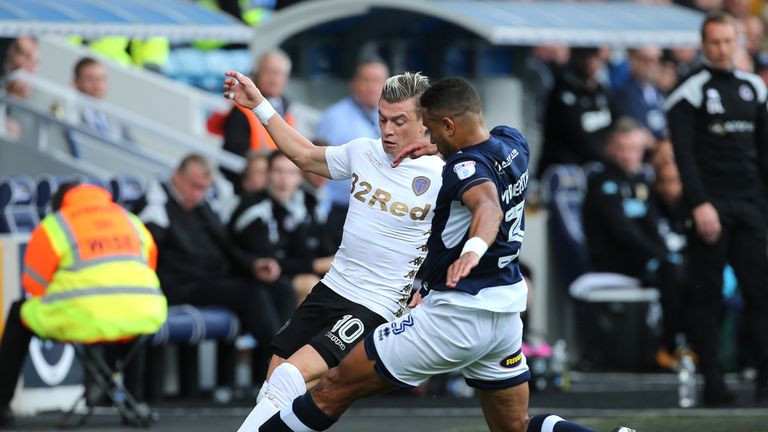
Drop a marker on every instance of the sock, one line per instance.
(302, 415)
(285, 384)
(553, 423)
(262, 390)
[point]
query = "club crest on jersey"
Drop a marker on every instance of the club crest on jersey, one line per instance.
(464, 169)
(420, 185)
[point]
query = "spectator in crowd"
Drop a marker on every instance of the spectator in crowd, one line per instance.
(539, 70)
(242, 130)
(620, 224)
(752, 30)
(199, 263)
(314, 184)
(79, 257)
(255, 173)
(282, 224)
(355, 116)
(577, 112)
(639, 97)
(667, 77)
(719, 128)
(22, 54)
(90, 79)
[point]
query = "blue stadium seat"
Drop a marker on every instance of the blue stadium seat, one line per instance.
(190, 325)
(47, 185)
(18, 219)
(17, 190)
(127, 190)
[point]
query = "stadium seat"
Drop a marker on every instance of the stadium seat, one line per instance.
(127, 190)
(17, 190)
(47, 185)
(186, 327)
(190, 325)
(18, 219)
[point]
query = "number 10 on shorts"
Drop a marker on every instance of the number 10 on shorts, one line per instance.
(348, 329)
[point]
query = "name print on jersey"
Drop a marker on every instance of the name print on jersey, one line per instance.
(383, 198)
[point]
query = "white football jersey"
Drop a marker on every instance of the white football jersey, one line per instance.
(387, 225)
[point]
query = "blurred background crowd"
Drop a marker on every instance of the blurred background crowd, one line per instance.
(239, 226)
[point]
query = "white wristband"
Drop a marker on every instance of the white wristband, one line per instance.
(264, 111)
(476, 245)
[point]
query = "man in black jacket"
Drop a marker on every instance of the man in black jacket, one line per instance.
(577, 113)
(719, 129)
(282, 223)
(199, 264)
(621, 225)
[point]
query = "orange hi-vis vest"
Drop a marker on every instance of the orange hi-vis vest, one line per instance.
(89, 272)
(260, 139)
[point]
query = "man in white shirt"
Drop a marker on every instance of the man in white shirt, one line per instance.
(383, 245)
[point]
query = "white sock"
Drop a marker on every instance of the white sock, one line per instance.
(285, 385)
(262, 391)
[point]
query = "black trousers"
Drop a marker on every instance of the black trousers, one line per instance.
(742, 244)
(13, 350)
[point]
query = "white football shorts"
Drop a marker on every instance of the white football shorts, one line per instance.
(434, 339)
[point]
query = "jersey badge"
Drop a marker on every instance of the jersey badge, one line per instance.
(746, 93)
(464, 169)
(420, 185)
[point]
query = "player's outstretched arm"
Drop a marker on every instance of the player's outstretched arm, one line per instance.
(300, 150)
(483, 202)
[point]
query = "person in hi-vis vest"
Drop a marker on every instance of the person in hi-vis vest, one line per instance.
(243, 132)
(89, 277)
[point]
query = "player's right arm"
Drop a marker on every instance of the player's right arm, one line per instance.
(299, 149)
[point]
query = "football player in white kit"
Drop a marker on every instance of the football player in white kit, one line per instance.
(384, 241)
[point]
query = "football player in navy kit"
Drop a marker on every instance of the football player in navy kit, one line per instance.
(472, 292)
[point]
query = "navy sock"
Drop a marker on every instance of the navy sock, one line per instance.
(302, 415)
(553, 423)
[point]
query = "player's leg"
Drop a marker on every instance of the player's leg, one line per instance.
(354, 378)
(401, 354)
(345, 324)
(501, 377)
(283, 382)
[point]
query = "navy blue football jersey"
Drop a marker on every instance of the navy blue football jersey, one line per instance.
(503, 160)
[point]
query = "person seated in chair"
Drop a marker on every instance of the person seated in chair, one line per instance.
(200, 264)
(621, 225)
(282, 223)
(89, 276)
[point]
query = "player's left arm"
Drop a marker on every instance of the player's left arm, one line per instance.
(482, 201)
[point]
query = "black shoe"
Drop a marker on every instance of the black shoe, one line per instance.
(7, 420)
(761, 388)
(718, 397)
